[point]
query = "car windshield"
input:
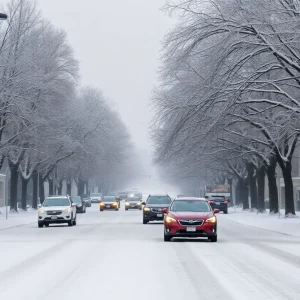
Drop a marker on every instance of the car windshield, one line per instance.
(133, 199)
(109, 199)
(190, 205)
(158, 200)
(220, 198)
(56, 202)
(76, 199)
(95, 195)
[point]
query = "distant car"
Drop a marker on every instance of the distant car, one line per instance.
(87, 200)
(109, 203)
(190, 217)
(57, 210)
(219, 202)
(96, 197)
(81, 206)
(154, 204)
(133, 203)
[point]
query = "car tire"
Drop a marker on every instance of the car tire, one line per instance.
(101, 209)
(225, 211)
(40, 224)
(70, 223)
(126, 208)
(167, 238)
(46, 224)
(214, 239)
(145, 221)
(75, 221)
(117, 209)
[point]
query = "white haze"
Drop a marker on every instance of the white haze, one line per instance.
(118, 46)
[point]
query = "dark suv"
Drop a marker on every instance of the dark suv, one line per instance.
(218, 202)
(154, 204)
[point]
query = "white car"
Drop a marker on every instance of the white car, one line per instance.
(96, 197)
(57, 210)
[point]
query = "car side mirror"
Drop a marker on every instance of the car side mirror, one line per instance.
(74, 204)
(143, 203)
(39, 205)
(164, 210)
(216, 211)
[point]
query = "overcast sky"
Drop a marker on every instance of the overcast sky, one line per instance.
(118, 45)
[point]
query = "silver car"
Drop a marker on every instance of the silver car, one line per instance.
(57, 210)
(133, 203)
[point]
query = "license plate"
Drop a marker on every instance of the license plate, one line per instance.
(54, 217)
(160, 215)
(107, 206)
(191, 228)
(218, 203)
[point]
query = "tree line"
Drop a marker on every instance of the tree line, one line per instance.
(51, 128)
(227, 103)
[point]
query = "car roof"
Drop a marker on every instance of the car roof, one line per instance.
(58, 197)
(158, 195)
(190, 198)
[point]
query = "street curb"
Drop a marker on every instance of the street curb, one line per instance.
(270, 230)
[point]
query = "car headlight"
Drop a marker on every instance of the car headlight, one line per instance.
(127, 203)
(146, 209)
(41, 211)
(68, 210)
(115, 203)
(170, 220)
(212, 220)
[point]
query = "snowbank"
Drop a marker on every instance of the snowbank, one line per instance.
(16, 219)
(278, 223)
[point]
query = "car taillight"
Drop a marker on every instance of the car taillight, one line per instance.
(226, 202)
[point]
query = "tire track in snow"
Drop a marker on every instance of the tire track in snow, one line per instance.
(32, 262)
(201, 278)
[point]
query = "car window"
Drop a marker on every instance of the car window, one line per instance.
(218, 198)
(158, 200)
(76, 199)
(190, 205)
(109, 199)
(95, 195)
(56, 202)
(133, 199)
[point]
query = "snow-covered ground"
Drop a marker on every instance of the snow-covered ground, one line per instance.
(16, 219)
(278, 223)
(112, 255)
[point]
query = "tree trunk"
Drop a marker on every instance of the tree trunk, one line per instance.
(273, 191)
(238, 194)
(289, 189)
(261, 174)
(252, 185)
(60, 187)
(80, 187)
(41, 189)
(51, 186)
(245, 195)
(24, 193)
(34, 190)
(69, 188)
(14, 176)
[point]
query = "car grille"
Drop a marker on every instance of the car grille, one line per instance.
(190, 222)
(156, 210)
(54, 212)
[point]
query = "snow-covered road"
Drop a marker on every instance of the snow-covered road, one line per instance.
(112, 255)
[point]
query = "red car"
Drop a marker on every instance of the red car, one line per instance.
(190, 217)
